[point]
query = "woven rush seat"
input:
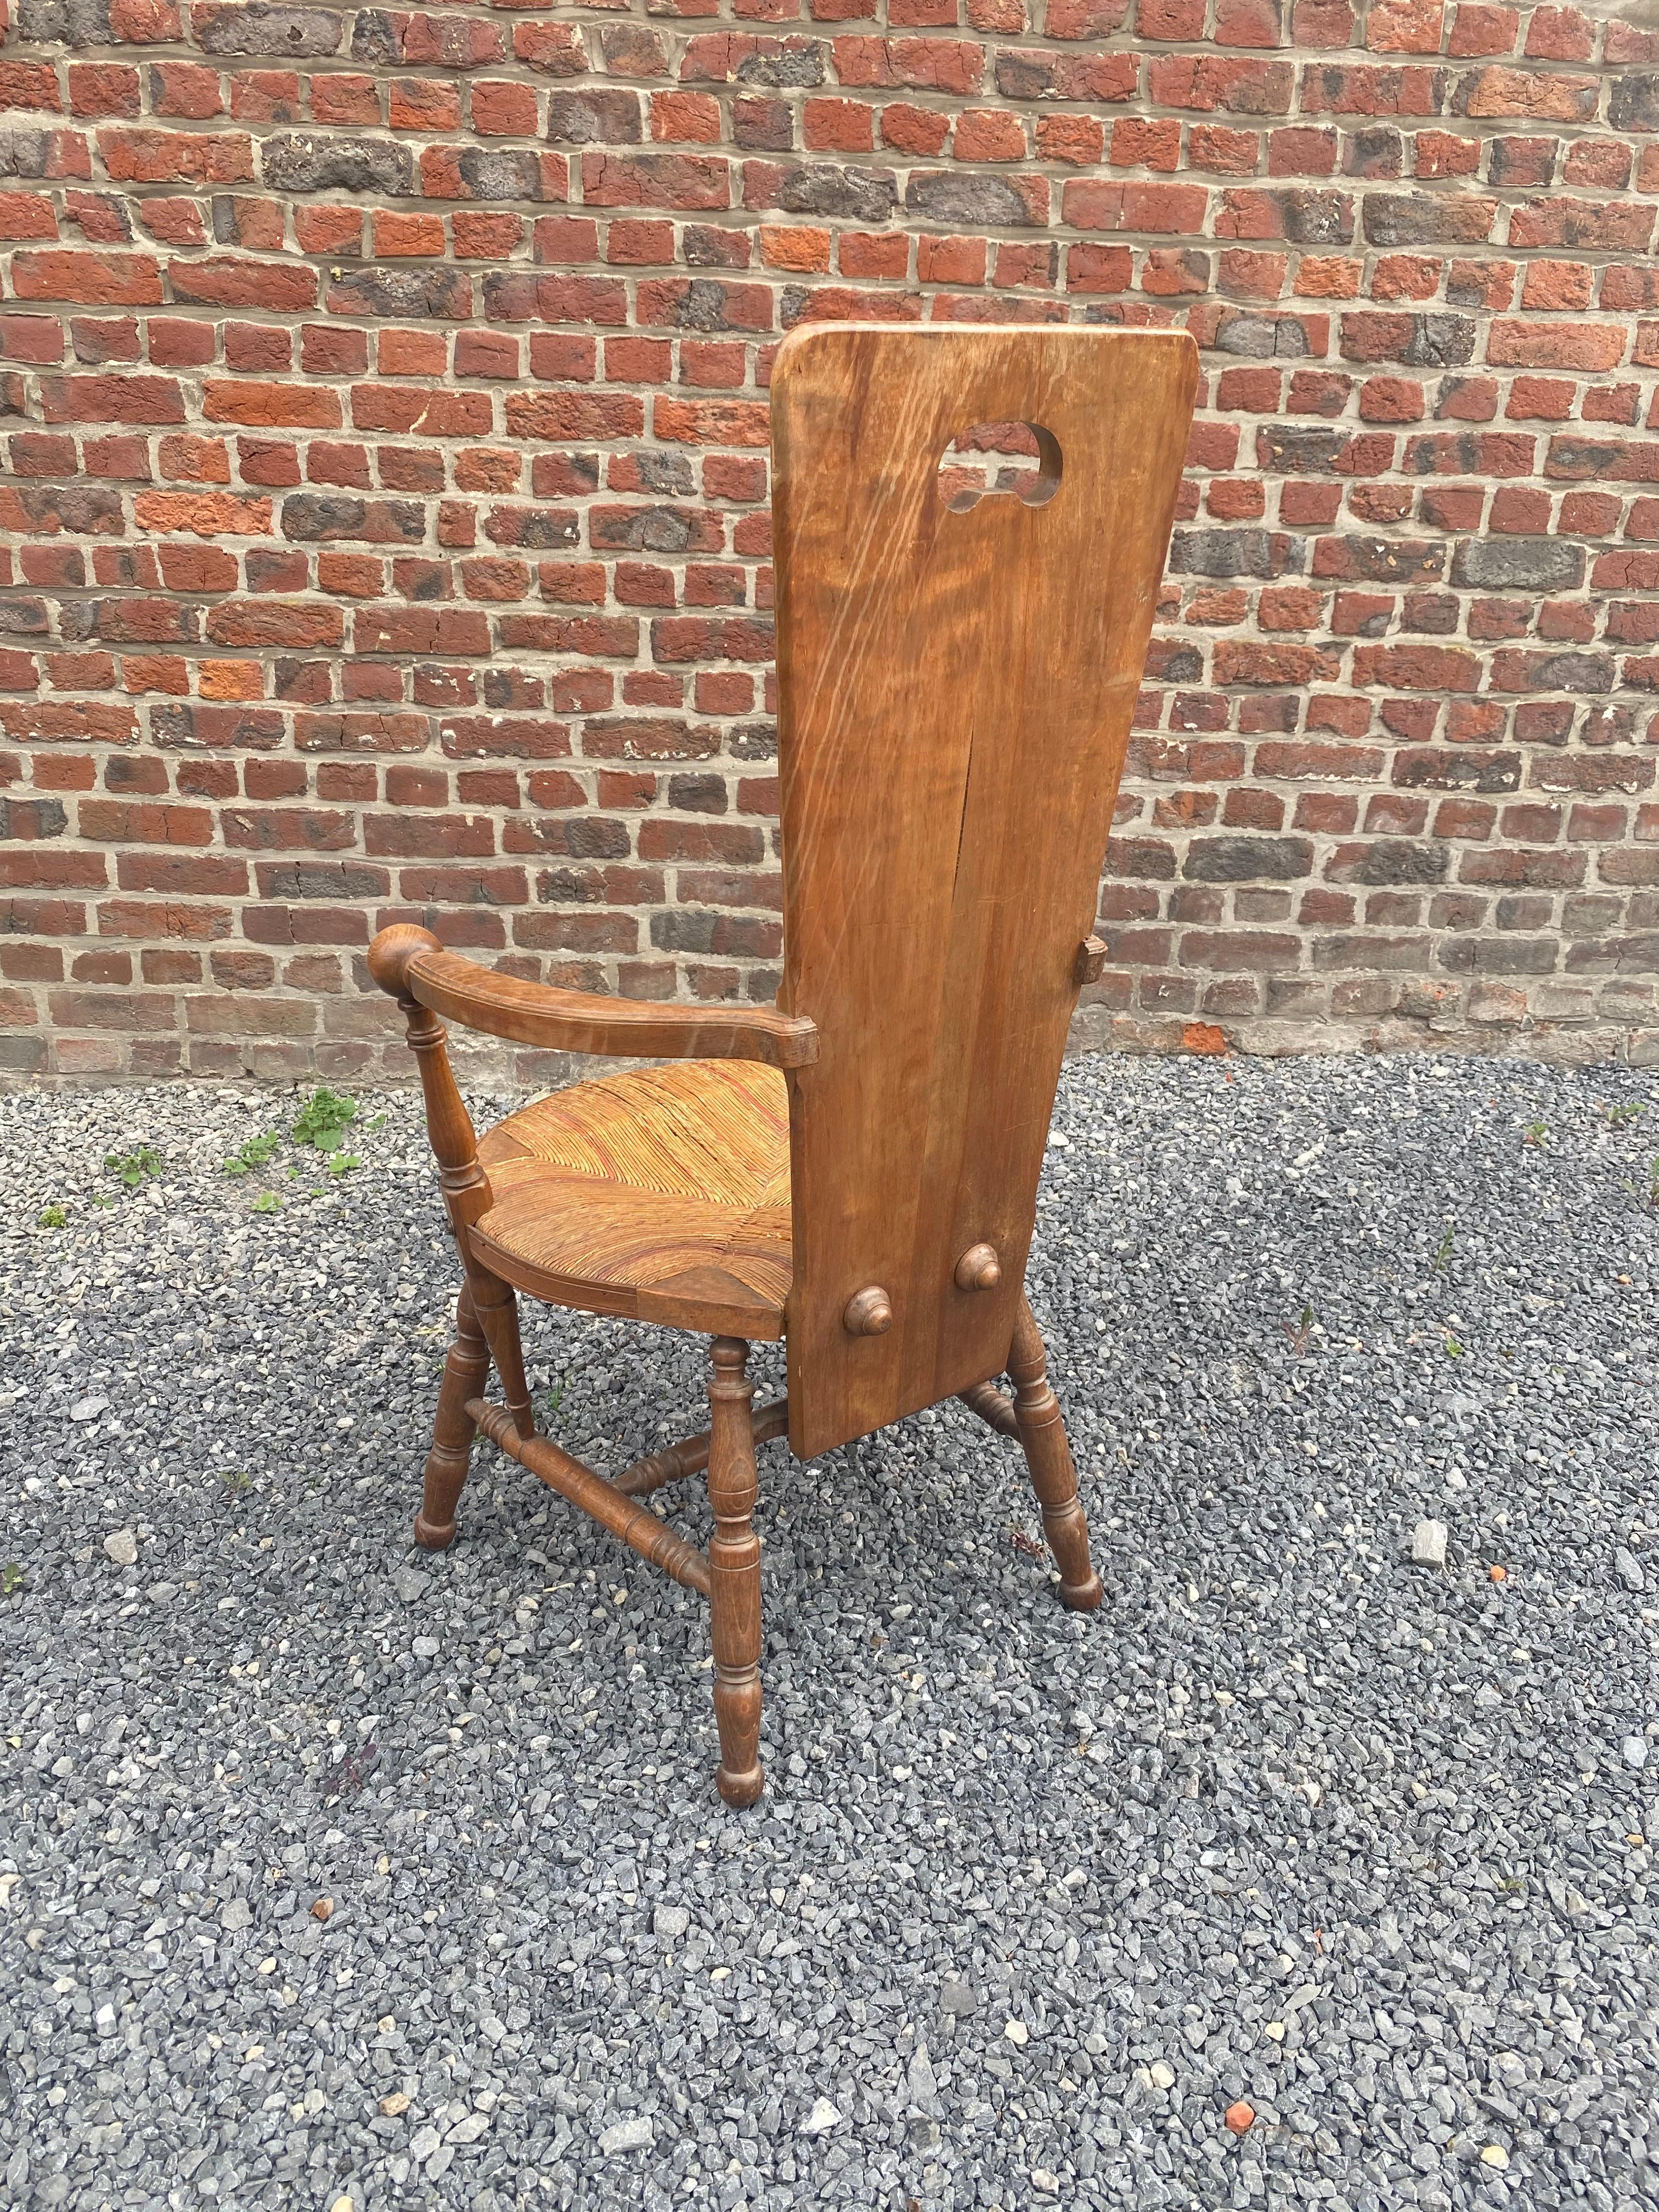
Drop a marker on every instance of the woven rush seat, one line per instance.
(661, 1194)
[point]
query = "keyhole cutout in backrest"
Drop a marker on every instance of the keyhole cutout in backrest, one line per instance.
(990, 460)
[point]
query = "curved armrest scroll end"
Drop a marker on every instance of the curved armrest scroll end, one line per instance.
(392, 952)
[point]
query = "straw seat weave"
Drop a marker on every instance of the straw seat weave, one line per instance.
(662, 1193)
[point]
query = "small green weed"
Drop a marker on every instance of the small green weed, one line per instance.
(323, 1120)
(11, 1578)
(132, 1167)
(340, 1163)
(258, 1152)
(1443, 1251)
(54, 1216)
(1535, 1134)
(1619, 1117)
(1453, 1349)
(1300, 1335)
(267, 1202)
(236, 1480)
(99, 1199)
(553, 1399)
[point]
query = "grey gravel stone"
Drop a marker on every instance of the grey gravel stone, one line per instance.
(627, 2134)
(1288, 1819)
(122, 1547)
(1628, 1568)
(1429, 1544)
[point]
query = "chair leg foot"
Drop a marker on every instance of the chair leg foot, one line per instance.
(1049, 1456)
(446, 1463)
(734, 1574)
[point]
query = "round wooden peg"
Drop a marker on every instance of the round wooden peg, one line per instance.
(869, 1312)
(979, 1269)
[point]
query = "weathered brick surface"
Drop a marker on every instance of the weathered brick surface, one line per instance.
(384, 526)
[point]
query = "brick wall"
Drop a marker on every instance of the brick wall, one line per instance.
(385, 526)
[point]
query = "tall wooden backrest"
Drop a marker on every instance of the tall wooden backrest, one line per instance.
(955, 688)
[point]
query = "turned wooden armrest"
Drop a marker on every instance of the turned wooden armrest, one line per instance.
(410, 963)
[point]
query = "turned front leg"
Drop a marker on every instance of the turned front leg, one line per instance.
(734, 1573)
(1049, 1456)
(453, 1430)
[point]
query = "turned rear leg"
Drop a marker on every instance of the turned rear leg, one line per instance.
(734, 1554)
(452, 1430)
(1049, 1456)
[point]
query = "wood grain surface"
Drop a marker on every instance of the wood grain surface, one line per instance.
(955, 693)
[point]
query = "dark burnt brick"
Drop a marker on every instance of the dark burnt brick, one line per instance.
(315, 162)
(537, 530)
(1359, 558)
(328, 518)
(345, 880)
(1389, 860)
(864, 196)
(402, 295)
(28, 820)
(974, 200)
(599, 115)
(1517, 564)
(1437, 768)
(1248, 859)
(77, 23)
(1424, 340)
(294, 33)
(1634, 102)
(1358, 949)
(1426, 219)
(1498, 956)
(698, 794)
(1263, 553)
(1262, 337)
(579, 836)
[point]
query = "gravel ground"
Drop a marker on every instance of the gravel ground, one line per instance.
(1032, 1898)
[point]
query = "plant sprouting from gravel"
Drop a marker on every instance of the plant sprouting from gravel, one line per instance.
(1617, 1117)
(11, 1578)
(1299, 1334)
(323, 1120)
(267, 1202)
(1453, 1349)
(340, 1163)
(52, 1216)
(1536, 1135)
(258, 1152)
(133, 1168)
(1442, 1250)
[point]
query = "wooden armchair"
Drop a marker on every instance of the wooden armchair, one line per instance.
(854, 1169)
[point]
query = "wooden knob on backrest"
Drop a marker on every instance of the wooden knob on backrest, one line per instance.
(869, 1312)
(979, 1268)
